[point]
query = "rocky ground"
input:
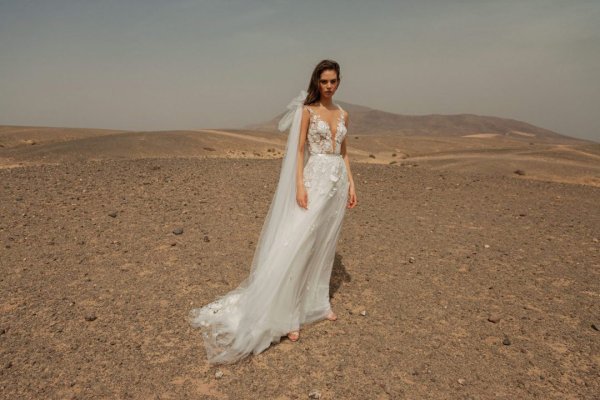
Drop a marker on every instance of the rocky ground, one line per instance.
(447, 285)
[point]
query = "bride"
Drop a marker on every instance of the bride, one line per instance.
(288, 284)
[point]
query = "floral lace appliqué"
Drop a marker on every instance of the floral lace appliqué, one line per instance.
(318, 166)
(319, 134)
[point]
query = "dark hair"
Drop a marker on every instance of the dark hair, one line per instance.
(313, 86)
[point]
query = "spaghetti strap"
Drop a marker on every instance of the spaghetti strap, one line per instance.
(310, 110)
(341, 113)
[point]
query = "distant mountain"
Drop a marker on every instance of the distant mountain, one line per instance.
(368, 121)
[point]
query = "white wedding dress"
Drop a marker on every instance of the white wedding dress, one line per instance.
(288, 285)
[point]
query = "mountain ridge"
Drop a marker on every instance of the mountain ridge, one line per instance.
(369, 121)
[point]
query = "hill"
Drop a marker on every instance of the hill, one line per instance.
(369, 121)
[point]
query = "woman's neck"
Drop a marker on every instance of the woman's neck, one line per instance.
(327, 103)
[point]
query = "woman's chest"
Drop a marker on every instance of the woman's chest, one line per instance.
(320, 130)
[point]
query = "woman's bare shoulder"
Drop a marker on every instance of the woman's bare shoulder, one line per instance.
(305, 112)
(309, 109)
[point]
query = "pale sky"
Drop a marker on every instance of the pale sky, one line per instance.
(183, 64)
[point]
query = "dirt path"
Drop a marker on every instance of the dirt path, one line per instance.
(515, 156)
(242, 136)
(569, 148)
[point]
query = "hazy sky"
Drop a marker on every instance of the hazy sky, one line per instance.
(178, 64)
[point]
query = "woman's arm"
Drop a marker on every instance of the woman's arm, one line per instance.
(344, 151)
(301, 195)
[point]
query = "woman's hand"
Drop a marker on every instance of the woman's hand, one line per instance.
(301, 196)
(351, 197)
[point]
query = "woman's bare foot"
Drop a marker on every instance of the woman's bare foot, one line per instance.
(331, 316)
(293, 335)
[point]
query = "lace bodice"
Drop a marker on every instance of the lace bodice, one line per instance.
(320, 137)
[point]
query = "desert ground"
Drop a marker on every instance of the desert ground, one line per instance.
(470, 268)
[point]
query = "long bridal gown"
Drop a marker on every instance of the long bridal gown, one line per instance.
(291, 288)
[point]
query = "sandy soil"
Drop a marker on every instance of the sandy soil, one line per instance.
(475, 282)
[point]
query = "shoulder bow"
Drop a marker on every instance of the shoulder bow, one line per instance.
(296, 103)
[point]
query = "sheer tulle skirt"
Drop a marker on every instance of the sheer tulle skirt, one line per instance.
(290, 287)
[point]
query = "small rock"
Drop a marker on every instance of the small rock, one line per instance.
(206, 238)
(506, 341)
(595, 240)
(411, 259)
(595, 327)
(462, 381)
(519, 172)
(112, 214)
(178, 231)
(494, 318)
(371, 155)
(90, 317)
(363, 313)
(8, 365)
(219, 374)
(487, 246)
(314, 394)
(209, 149)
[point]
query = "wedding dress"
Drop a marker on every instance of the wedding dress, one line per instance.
(288, 285)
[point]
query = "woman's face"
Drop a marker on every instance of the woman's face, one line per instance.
(328, 83)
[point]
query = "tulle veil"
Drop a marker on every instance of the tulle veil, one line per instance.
(284, 200)
(245, 326)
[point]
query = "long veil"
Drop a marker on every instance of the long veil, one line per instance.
(239, 322)
(284, 200)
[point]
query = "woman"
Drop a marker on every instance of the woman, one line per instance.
(288, 285)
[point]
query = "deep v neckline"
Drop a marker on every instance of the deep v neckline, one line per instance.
(337, 126)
